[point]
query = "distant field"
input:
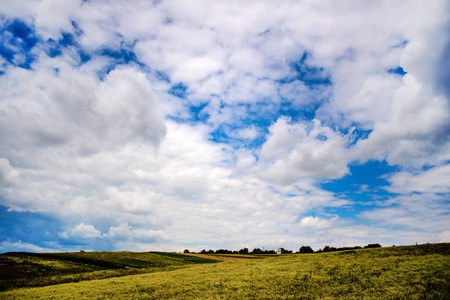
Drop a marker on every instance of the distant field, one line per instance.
(228, 257)
(407, 272)
(41, 269)
(187, 258)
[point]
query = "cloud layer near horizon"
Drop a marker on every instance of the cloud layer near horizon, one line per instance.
(135, 125)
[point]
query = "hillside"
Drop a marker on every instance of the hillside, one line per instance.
(21, 269)
(406, 272)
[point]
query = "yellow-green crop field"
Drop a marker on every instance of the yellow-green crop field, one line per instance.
(405, 272)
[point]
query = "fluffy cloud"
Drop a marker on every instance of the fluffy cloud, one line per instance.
(125, 232)
(300, 150)
(8, 175)
(122, 236)
(81, 231)
(434, 180)
(416, 133)
(8, 246)
(78, 109)
(316, 223)
(118, 110)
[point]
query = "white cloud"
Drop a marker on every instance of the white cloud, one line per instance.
(426, 213)
(54, 16)
(416, 134)
(301, 150)
(82, 231)
(194, 69)
(245, 160)
(316, 223)
(97, 114)
(8, 246)
(247, 133)
(19, 9)
(121, 109)
(8, 175)
(435, 180)
(126, 232)
(445, 237)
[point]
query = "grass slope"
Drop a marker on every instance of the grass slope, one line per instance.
(187, 258)
(41, 269)
(414, 272)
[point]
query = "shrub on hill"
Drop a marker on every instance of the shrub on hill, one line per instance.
(243, 251)
(224, 251)
(332, 249)
(373, 246)
(259, 251)
(306, 249)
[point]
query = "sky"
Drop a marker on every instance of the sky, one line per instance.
(170, 125)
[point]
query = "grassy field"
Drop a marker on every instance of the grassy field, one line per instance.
(407, 272)
(42, 269)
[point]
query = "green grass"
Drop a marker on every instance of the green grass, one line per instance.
(413, 272)
(41, 269)
(246, 256)
(186, 258)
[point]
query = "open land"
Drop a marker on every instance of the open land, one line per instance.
(402, 272)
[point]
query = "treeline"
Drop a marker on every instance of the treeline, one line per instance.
(242, 251)
(332, 249)
(303, 249)
(308, 249)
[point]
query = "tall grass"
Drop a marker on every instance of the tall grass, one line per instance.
(388, 273)
(186, 258)
(41, 269)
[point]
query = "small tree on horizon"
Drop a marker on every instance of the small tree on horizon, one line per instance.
(243, 251)
(306, 249)
(257, 251)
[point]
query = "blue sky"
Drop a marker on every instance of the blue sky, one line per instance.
(166, 125)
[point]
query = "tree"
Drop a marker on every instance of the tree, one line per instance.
(186, 251)
(257, 251)
(243, 251)
(224, 251)
(306, 249)
(373, 246)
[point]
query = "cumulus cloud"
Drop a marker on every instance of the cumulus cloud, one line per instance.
(8, 175)
(80, 110)
(317, 223)
(434, 180)
(121, 109)
(126, 232)
(81, 231)
(8, 246)
(417, 132)
(301, 150)
(122, 232)
(248, 133)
